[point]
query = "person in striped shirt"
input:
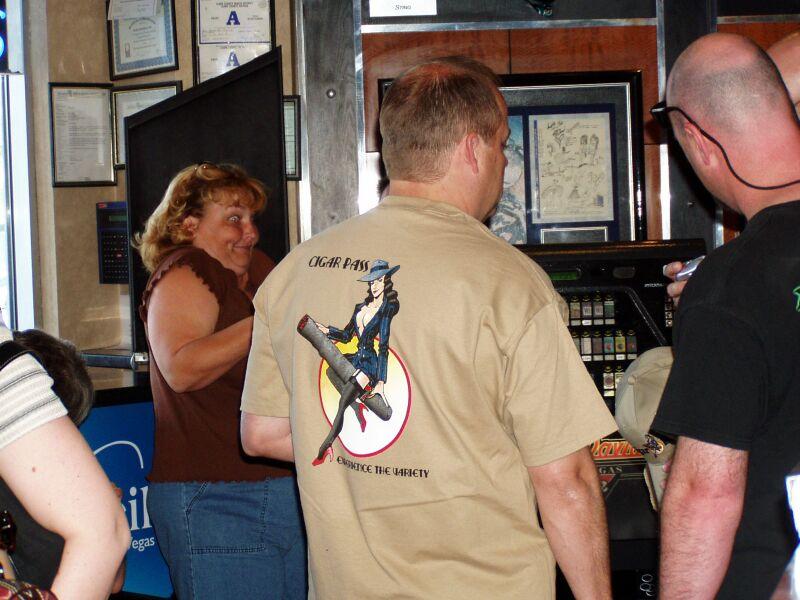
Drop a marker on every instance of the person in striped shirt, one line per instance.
(51, 469)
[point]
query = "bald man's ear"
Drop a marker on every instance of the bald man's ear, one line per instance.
(698, 145)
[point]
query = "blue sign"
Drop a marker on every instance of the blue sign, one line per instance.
(121, 437)
(3, 37)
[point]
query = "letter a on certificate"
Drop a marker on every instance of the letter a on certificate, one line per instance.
(233, 19)
(233, 61)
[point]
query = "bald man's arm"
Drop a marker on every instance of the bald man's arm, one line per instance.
(699, 518)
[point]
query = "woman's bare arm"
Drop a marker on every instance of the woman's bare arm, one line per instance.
(181, 317)
(57, 478)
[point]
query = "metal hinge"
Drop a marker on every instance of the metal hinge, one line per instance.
(140, 361)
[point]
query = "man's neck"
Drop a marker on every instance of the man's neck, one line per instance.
(757, 202)
(772, 161)
(438, 191)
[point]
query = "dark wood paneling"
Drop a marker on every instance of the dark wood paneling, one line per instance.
(763, 34)
(732, 223)
(652, 182)
(592, 49)
(386, 55)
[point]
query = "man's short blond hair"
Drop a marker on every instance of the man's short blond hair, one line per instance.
(429, 109)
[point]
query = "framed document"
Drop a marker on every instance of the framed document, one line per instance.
(215, 59)
(131, 9)
(575, 159)
(127, 101)
(144, 45)
(291, 136)
(81, 134)
(228, 34)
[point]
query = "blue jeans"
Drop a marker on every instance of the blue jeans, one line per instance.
(231, 540)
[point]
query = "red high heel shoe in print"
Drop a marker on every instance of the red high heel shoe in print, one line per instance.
(362, 420)
(327, 454)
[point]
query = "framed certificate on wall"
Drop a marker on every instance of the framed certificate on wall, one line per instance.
(127, 101)
(81, 134)
(227, 34)
(143, 45)
(291, 136)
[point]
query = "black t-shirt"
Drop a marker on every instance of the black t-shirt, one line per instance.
(38, 551)
(736, 382)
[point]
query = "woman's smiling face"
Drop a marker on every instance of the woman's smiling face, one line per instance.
(227, 232)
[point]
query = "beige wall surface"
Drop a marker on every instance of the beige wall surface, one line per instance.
(66, 41)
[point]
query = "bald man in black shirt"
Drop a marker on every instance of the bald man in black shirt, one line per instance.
(732, 396)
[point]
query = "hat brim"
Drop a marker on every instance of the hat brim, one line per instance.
(373, 275)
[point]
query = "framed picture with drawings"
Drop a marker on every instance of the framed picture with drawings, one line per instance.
(575, 159)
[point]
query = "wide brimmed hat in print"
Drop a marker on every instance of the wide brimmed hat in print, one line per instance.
(379, 269)
(638, 396)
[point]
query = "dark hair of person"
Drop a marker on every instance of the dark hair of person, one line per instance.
(61, 360)
(429, 109)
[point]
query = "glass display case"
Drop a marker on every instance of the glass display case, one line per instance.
(618, 308)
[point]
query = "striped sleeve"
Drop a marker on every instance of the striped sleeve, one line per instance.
(27, 400)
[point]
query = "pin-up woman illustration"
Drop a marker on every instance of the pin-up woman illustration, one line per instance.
(371, 320)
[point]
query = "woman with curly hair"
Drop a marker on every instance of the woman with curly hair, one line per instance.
(226, 524)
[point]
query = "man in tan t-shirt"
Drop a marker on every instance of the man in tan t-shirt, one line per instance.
(418, 371)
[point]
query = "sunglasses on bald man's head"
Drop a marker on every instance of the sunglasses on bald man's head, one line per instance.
(661, 112)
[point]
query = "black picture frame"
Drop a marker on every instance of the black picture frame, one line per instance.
(166, 32)
(89, 111)
(246, 50)
(576, 158)
(291, 137)
(118, 120)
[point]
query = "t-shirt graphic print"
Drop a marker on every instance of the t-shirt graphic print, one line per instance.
(364, 388)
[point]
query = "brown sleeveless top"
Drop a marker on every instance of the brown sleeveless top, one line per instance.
(197, 432)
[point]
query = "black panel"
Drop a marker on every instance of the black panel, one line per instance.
(236, 118)
(455, 11)
(729, 8)
(692, 209)
(123, 395)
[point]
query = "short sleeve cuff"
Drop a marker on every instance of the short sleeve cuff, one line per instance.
(27, 400)
(709, 436)
(265, 392)
(572, 444)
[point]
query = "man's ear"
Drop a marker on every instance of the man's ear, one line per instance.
(699, 145)
(189, 225)
(471, 143)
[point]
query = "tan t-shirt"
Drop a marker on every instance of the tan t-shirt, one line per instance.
(482, 378)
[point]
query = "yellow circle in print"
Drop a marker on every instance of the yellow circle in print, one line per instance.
(378, 435)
